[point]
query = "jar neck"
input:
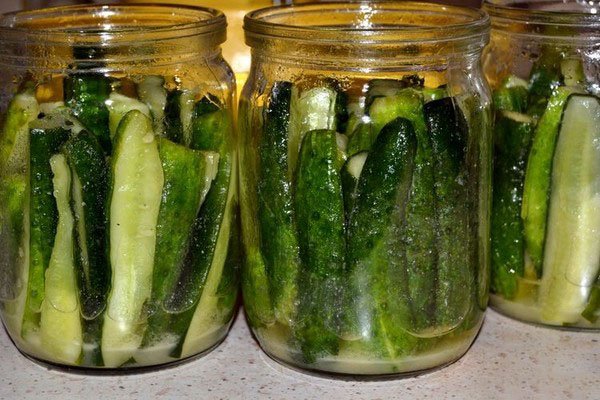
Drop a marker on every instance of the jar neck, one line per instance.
(92, 37)
(569, 22)
(367, 34)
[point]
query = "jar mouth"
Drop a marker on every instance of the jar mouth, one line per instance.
(367, 23)
(112, 24)
(571, 19)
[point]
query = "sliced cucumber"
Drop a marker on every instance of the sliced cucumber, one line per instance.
(60, 325)
(119, 105)
(134, 207)
(312, 109)
(152, 92)
(572, 248)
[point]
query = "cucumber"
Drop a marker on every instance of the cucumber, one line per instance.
(210, 232)
(404, 104)
(208, 116)
(511, 95)
(572, 72)
(319, 207)
(188, 175)
(431, 94)
(572, 249)
(90, 181)
(545, 77)
(279, 243)
(536, 190)
(86, 94)
(448, 131)
(513, 132)
(60, 322)
(46, 136)
(377, 88)
(377, 304)
(119, 105)
(255, 284)
(362, 138)
(211, 312)
(350, 175)
(137, 184)
(311, 109)
(178, 116)
(14, 140)
(151, 91)
(14, 150)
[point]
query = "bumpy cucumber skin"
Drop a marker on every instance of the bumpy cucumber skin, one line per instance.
(86, 159)
(186, 185)
(319, 207)
(279, 243)
(44, 143)
(512, 141)
(378, 309)
(362, 139)
(448, 132)
(536, 188)
(204, 237)
(86, 94)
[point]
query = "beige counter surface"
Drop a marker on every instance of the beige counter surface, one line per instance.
(509, 360)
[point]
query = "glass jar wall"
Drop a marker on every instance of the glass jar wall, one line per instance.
(365, 168)
(118, 219)
(544, 66)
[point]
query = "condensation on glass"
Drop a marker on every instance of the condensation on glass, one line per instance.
(118, 188)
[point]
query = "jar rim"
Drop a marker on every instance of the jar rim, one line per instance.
(540, 13)
(84, 24)
(448, 23)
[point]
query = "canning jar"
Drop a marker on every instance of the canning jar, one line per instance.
(118, 184)
(365, 167)
(543, 64)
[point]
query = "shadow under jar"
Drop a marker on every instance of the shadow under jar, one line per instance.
(365, 154)
(544, 66)
(118, 188)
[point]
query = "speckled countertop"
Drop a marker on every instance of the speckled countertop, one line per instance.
(509, 360)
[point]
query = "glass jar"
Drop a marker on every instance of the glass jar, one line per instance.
(544, 66)
(118, 184)
(365, 168)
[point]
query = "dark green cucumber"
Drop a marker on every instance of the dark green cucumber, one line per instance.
(178, 116)
(90, 177)
(545, 77)
(319, 210)
(361, 139)
(209, 237)
(511, 95)
(421, 228)
(279, 244)
(86, 94)
(350, 175)
(448, 132)
(61, 335)
(513, 134)
(377, 299)
(188, 176)
(46, 139)
(137, 184)
(536, 190)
